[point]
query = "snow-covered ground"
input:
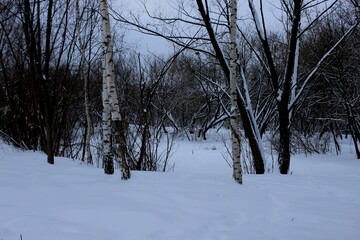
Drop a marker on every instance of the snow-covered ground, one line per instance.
(199, 200)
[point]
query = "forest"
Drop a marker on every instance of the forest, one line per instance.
(71, 87)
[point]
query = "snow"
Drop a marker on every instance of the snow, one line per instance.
(258, 24)
(199, 200)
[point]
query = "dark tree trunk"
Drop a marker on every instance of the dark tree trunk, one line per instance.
(41, 83)
(121, 128)
(283, 91)
(284, 143)
(357, 150)
(47, 86)
(249, 133)
(108, 164)
(144, 140)
(248, 127)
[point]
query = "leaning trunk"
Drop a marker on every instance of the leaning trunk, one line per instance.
(254, 142)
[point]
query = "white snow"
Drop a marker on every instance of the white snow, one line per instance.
(258, 24)
(199, 200)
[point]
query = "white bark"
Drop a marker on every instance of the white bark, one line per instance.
(109, 63)
(106, 119)
(108, 87)
(111, 98)
(235, 133)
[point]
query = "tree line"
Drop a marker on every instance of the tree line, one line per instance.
(70, 88)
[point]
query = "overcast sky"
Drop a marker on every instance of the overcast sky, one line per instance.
(135, 40)
(144, 43)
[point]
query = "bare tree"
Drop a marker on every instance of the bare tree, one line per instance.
(204, 39)
(49, 49)
(111, 102)
(145, 94)
(84, 42)
(43, 95)
(286, 85)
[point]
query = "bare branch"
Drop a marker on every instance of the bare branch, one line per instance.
(320, 62)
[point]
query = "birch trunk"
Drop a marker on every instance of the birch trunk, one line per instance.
(235, 133)
(84, 70)
(111, 94)
(108, 162)
(249, 128)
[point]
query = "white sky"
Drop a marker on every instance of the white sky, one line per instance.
(145, 44)
(141, 42)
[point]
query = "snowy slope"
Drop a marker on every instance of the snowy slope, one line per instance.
(199, 200)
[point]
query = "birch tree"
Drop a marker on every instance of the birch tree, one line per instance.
(111, 116)
(243, 102)
(234, 121)
(208, 29)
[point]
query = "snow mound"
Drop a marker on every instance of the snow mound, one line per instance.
(199, 200)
